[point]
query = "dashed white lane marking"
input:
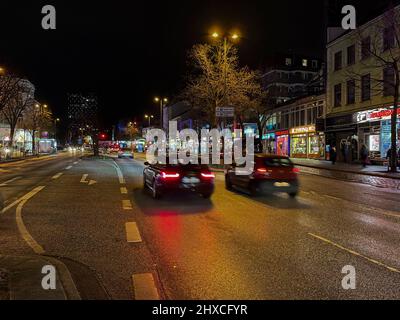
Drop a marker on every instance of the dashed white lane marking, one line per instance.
(354, 253)
(144, 287)
(124, 190)
(57, 176)
(76, 162)
(9, 181)
(84, 177)
(132, 232)
(69, 167)
(126, 205)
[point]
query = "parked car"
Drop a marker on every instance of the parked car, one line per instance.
(271, 173)
(164, 178)
(125, 153)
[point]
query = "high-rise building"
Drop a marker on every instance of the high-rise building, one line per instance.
(82, 115)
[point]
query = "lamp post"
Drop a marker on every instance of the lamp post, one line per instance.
(225, 38)
(55, 128)
(149, 117)
(163, 102)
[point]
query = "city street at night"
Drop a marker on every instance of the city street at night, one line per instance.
(229, 247)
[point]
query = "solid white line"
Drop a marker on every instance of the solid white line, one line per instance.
(355, 253)
(126, 205)
(132, 232)
(119, 172)
(57, 176)
(9, 181)
(144, 287)
(124, 190)
(69, 167)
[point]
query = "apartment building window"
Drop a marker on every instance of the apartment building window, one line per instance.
(366, 87)
(288, 61)
(388, 81)
(314, 64)
(304, 63)
(388, 38)
(338, 60)
(351, 55)
(351, 92)
(337, 95)
(365, 47)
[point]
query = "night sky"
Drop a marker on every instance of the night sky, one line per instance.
(129, 51)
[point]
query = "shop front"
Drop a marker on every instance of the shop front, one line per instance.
(269, 142)
(282, 143)
(306, 142)
(374, 130)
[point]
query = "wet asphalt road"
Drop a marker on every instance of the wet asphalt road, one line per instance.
(229, 247)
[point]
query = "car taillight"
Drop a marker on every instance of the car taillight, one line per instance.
(296, 170)
(169, 175)
(207, 175)
(261, 170)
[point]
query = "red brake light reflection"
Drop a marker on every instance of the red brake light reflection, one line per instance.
(262, 170)
(296, 170)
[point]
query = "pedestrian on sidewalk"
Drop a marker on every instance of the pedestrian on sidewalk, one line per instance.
(364, 155)
(388, 157)
(333, 155)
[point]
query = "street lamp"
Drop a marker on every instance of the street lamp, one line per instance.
(226, 37)
(2, 70)
(55, 128)
(149, 117)
(163, 102)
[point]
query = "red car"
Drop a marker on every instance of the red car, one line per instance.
(271, 173)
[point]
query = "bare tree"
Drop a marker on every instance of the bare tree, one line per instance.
(380, 50)
(217, 80)
(21, 98)
(34, 119)
(9, 87)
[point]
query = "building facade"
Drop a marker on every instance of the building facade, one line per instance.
(296, 128)
(290, 76)
(82, 115)
(359, 90)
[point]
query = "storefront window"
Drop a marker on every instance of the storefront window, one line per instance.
(316, 145)
(299, 145)
(282, 145)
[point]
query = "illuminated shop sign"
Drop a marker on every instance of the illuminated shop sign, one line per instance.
(282, 133)
(305, 129)
(375, 115)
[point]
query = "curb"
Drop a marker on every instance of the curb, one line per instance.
(371, 174)
(68, 284)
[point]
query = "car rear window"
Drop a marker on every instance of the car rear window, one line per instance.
(277, 162)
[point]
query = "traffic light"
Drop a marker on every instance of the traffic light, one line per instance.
(102, 136)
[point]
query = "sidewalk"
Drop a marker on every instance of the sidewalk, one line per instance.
(21, 279)
(371, 170)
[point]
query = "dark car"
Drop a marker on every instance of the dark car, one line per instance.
(165, 178)
(271, 174)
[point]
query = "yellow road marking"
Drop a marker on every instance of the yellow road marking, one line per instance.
(354, 253)
(132, 232)
(144, 287)
(57, 176)
(126, 205)
(21, 226)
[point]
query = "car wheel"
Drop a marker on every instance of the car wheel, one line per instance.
(228, 183)
(293, 194)
(155, 193)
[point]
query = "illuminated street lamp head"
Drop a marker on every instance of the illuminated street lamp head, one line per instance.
(215, 35)
(165, 100)
(146, 116)
(235, 36)
(2, 70)
(156, 99)
(45, 106)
